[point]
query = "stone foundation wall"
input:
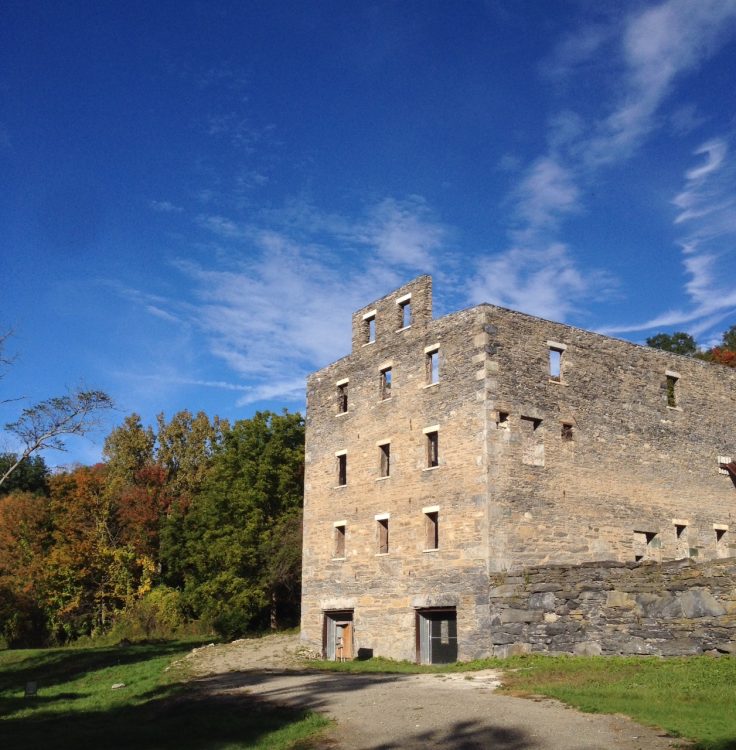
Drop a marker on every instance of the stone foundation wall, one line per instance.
(674, 608)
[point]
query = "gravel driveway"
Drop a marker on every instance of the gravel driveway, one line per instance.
(378, 712)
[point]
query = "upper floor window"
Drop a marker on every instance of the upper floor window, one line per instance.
(431, 527)
(404, 304)
(339, 539)
(432, 364)
(369, 327)
(342, 396)
(384, 459)
(382, 533)
(433, 446)
(673, 389)
(556, 354)
(385, 383)
(342, 468)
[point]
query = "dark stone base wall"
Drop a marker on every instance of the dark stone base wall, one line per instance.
(667, 609)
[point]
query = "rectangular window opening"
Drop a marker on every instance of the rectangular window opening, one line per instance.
(405, 314)
(369, 328)
(385, 456)
(382, 529)
(722, 546)
(339, 540)
(432, 530)
(342, 469)
(502, 421)
(672, 390)
(647, 545)
(433, 449)
(680, 529)
(385, 385)
(433, 367)
(342, 398)
(567, 432)
(555, 363)
(532, 441)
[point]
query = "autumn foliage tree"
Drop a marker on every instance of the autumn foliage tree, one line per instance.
(196, 518)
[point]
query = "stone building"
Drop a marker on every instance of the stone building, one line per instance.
(440, 452)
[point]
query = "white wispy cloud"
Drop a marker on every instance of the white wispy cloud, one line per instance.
(275, 301)
(657, 45)
(707, 216)
(165, 207)
(543, 281)
(646, 51)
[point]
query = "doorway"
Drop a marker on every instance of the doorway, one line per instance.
(437, 635)
(338, 635)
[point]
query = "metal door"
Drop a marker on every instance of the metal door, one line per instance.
(437, 636)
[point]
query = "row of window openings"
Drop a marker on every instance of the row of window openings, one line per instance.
(432, 363)
(432, 447)
(403, 319)
(556, 353)
(647, 544)
(531, 427)
(431, 535)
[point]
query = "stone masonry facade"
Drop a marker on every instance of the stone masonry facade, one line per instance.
(441, 452)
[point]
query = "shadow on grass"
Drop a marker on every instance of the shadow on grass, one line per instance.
(57, 666)
(187, 722)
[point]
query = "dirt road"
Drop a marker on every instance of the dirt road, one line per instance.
(378, 712)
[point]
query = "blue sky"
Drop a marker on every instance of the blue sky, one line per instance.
(195, 196)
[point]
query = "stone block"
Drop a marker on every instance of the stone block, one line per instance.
(520, 615)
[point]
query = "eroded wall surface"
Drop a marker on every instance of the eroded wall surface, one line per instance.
(634, 477)
(384, 590)
(667, 609)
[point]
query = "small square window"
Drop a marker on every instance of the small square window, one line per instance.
(339, 540)
(502, 420)
(382, 534)
(433, 449)
(432, 530)
(385, 459)
(385, 383)
(342, 469)
(342, 398)
(567, 432)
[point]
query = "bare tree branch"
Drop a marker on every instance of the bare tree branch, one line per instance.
(44, 425)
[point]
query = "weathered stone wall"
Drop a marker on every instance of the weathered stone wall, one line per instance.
(384, 590)
(634, 464)
(639, 477)
(666, 609)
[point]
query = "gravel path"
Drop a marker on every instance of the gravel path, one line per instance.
(378, 712)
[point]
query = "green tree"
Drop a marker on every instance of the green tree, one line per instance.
(30, 475)
(128, 449)
(248, 508)
(678, 343)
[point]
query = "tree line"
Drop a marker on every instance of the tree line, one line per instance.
(195, 521)
(680, 342)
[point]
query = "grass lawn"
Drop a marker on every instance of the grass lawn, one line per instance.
(76, 706)
(692, 697)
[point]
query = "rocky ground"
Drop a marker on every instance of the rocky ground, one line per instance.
(378, 712)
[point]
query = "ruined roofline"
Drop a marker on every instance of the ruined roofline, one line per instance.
(506, 311)
(643, 347)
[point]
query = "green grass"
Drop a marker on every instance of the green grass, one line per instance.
(76, 706)
(691, 697)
